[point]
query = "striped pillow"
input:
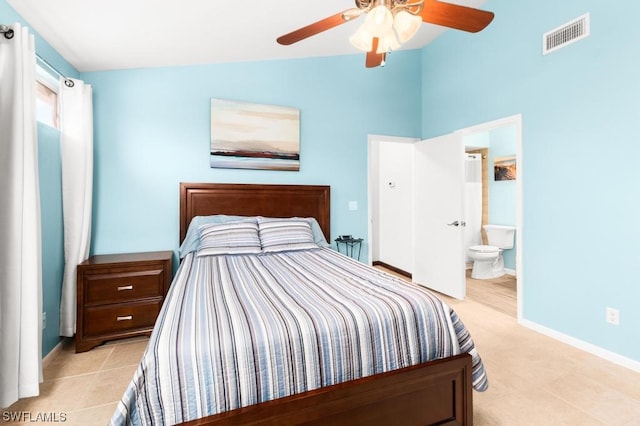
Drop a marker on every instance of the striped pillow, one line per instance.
(229, 238)
(285, 234)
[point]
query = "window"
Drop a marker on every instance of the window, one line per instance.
(46, 98)
(46, 105)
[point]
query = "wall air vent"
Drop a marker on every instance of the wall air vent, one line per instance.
(566, 34)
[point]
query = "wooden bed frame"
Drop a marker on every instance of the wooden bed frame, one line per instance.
(433, 393)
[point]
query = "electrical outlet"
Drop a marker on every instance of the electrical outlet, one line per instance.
(613, 316)
(44, 320)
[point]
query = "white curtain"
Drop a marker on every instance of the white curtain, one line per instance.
(473, 168)
(20, 235)
(473, 200)
(76, 130)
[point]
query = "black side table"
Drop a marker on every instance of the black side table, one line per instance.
(349, 244)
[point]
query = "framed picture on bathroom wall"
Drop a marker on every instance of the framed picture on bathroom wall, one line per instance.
(504, 168)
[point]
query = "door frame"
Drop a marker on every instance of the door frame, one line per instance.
(372, 150)
(482, 127)
(515, 120)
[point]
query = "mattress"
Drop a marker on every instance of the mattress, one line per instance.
(237, 330)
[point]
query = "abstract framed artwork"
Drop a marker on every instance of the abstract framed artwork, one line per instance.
(254, 136)
(504, 168)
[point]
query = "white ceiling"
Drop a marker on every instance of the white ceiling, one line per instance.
(96, 35)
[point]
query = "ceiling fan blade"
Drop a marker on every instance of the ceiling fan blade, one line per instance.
(318, 27)
(455, 16)
(374, 59)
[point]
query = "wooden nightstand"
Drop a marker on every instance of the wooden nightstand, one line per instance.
(120, 295)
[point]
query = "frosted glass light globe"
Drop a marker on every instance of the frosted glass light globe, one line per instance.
(379, 21)
(406, 25)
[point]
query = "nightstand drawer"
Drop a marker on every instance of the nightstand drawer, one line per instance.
(123, 286)
(103, 320)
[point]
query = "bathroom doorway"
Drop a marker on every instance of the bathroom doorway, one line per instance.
(492, 199)
(378, 185)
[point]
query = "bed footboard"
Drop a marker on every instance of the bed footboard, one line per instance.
(433, 393)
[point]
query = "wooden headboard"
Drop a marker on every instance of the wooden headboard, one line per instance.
(203, 199)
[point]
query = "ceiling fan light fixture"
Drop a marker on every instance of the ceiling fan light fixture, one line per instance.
(362, 39)
(388, 23)
(379, 21)
(406, 25)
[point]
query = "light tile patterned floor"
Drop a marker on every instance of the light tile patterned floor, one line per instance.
(498, 293)
(534, 380)
(84, 388)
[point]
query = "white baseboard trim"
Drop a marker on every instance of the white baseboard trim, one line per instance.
(52, 354)
(582, 345)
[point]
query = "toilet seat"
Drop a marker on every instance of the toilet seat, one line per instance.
(484, 249)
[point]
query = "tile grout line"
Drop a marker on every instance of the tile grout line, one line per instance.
(106, 359)
(581, 409)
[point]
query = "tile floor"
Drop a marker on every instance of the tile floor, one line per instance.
(534, 380)
(498, 293)
(84, 387)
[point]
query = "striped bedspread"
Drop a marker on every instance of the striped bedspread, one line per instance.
(238, 330)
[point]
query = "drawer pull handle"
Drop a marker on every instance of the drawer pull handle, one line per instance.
(125, 287)
(125, 318)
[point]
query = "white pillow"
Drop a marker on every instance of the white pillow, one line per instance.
(229, 238)
(285, 234)
(192, 239)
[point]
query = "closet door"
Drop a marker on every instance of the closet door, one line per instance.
(438, 215)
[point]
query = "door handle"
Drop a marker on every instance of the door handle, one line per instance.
(457, 223)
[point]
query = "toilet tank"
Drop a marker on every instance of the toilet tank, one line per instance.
(501, 236)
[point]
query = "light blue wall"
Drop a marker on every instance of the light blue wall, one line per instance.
(477, 140)
(152, 131)
(50, 177)
(50, 195)
(503, 195)
(579, 109)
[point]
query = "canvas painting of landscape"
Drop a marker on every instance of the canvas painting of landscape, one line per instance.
(254, 136)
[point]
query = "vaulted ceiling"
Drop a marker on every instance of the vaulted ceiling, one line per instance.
(97, 35)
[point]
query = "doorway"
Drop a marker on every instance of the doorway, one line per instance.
(390, 195)
(502, 205)
(473, 132)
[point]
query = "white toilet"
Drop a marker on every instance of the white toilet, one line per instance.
(487, 260)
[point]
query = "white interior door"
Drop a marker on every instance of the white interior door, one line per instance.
(438, 215)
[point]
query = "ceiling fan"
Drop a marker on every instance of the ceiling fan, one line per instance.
(389, 23)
